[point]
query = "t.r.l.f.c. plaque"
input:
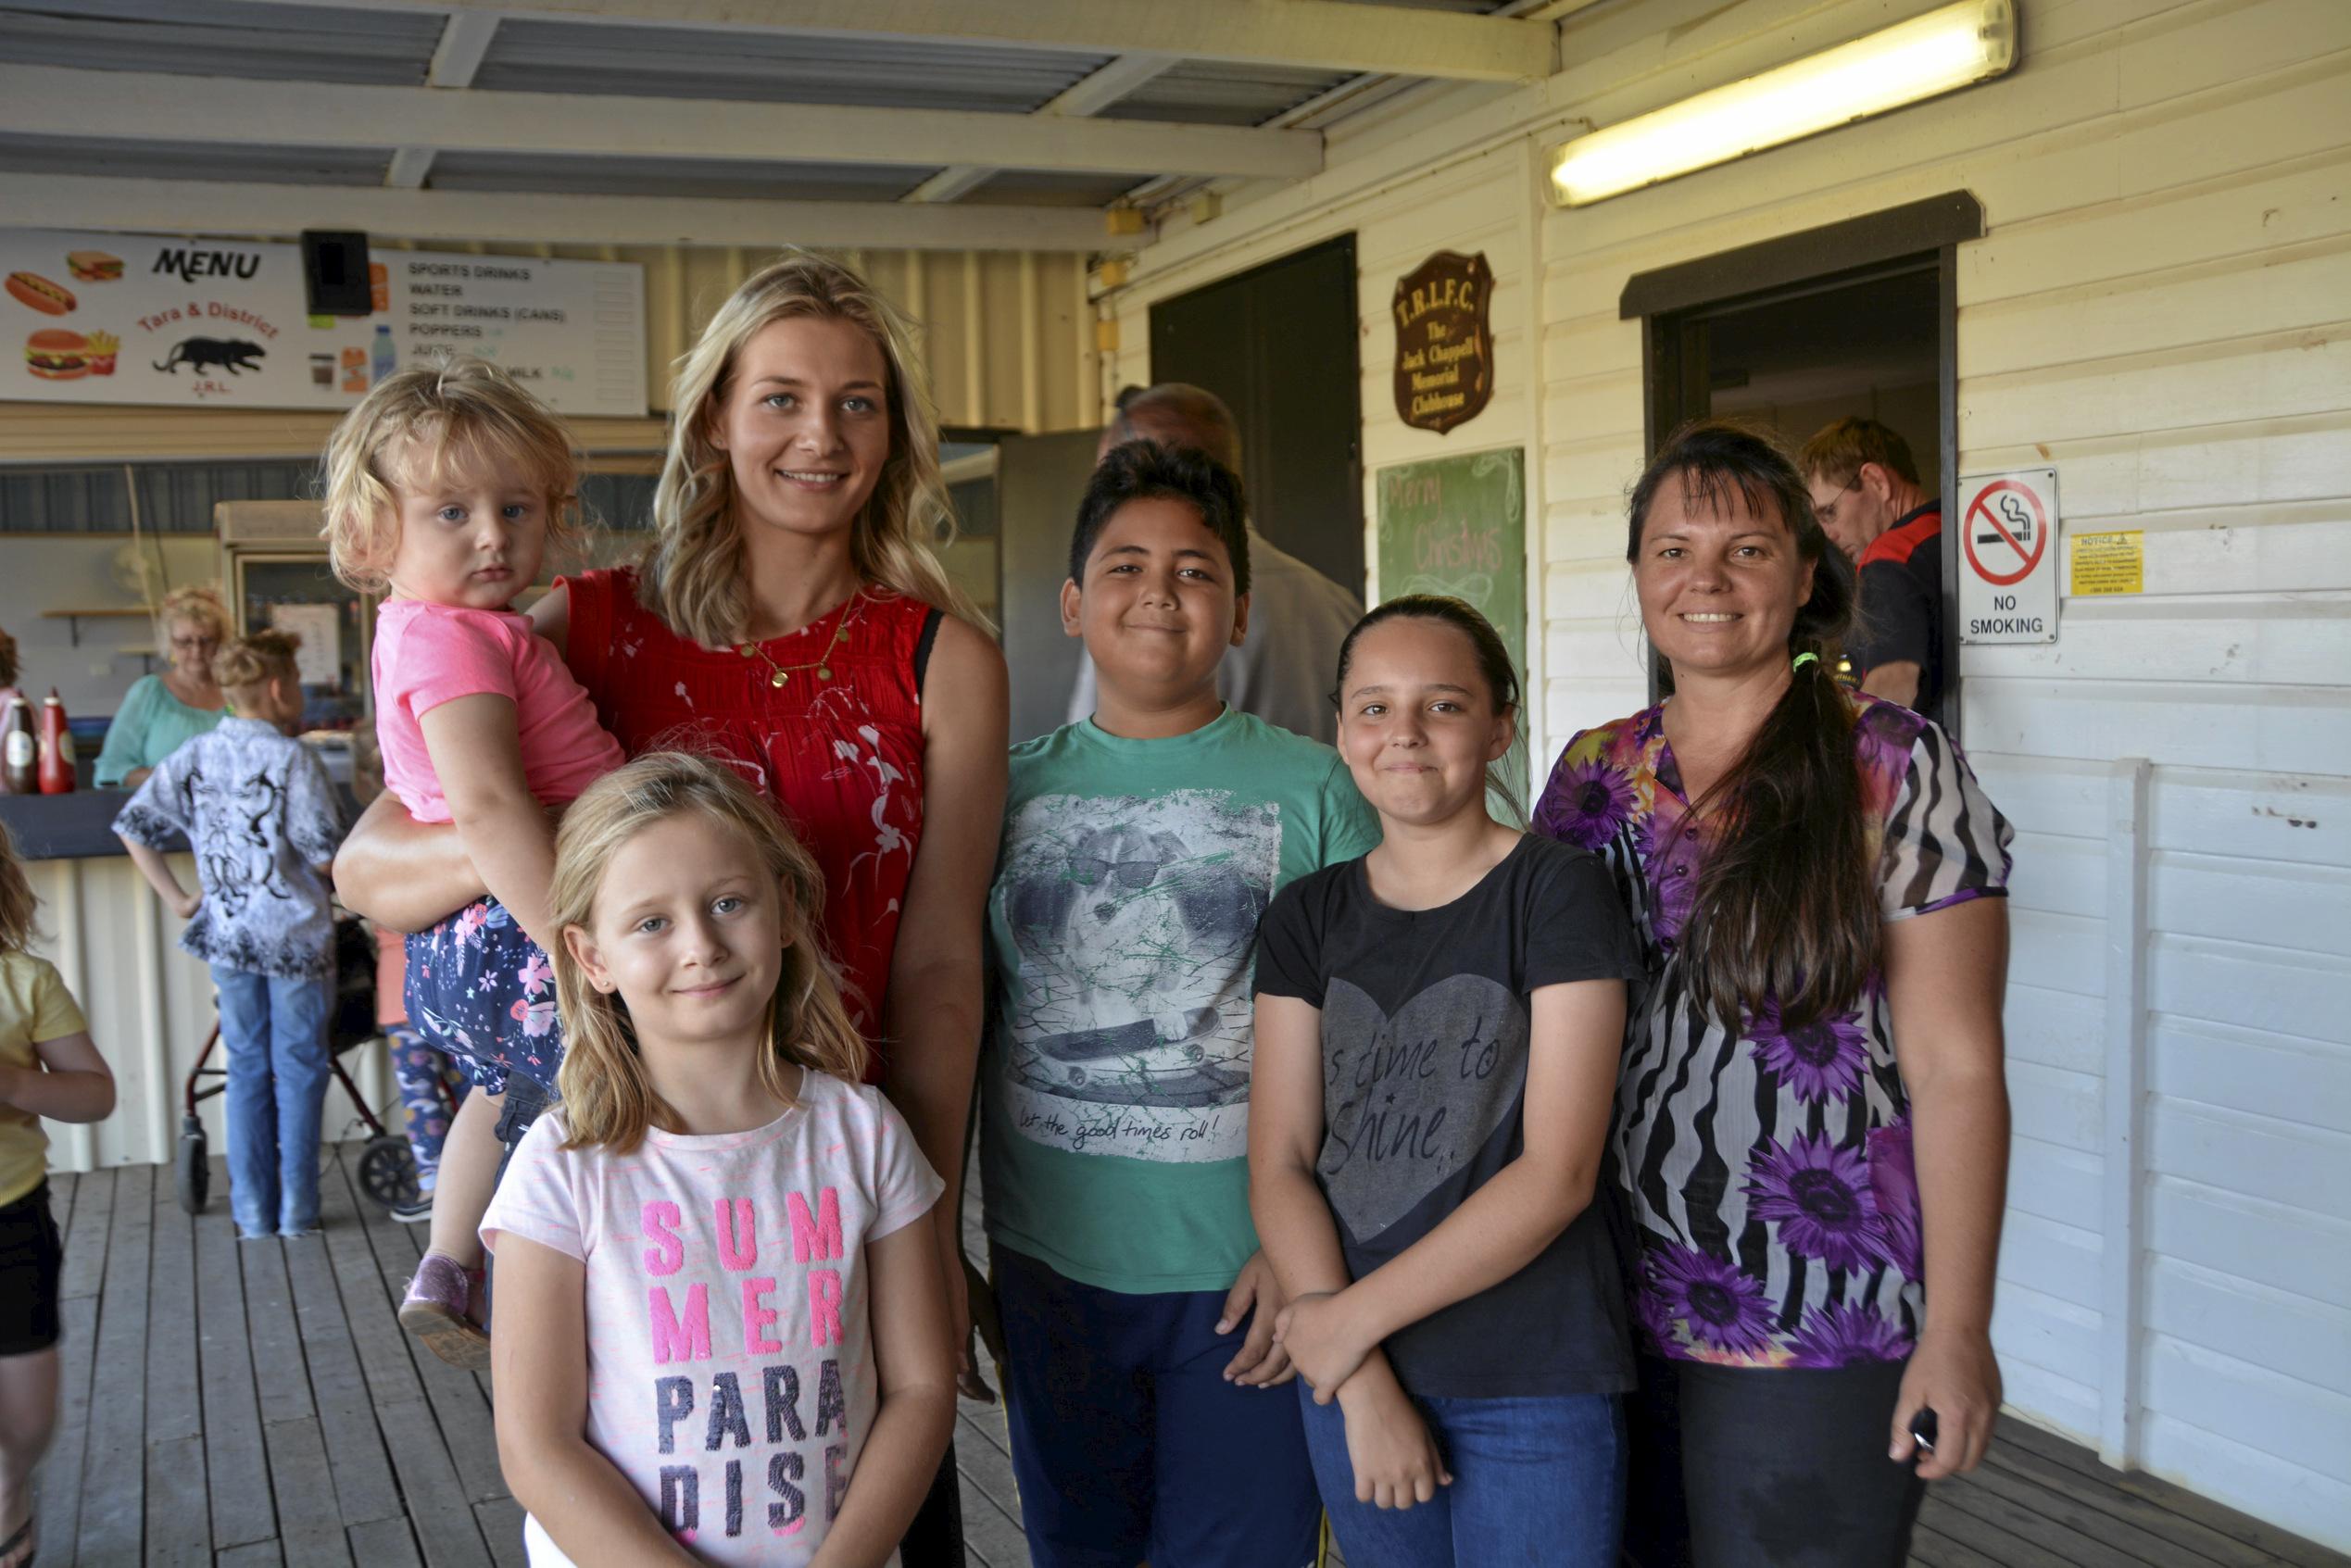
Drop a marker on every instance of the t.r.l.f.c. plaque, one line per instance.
(1444, 341)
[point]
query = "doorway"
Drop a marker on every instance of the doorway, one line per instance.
(1281, 344)
(1798, 360)
(1855, 318)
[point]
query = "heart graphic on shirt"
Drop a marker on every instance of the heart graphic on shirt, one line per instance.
(1409, 1101)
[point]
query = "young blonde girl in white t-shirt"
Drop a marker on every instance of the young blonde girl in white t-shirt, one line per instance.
(739, 1348)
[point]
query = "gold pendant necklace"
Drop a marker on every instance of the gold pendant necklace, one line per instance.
(779, 673)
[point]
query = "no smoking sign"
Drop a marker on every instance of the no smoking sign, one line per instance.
(2007, 573)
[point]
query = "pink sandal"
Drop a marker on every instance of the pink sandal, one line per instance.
(439, 1309)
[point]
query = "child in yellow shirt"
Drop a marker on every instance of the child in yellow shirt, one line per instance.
(47, 1068)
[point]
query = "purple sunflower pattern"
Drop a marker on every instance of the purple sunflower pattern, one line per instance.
(1840, 1335)
(1720, 1307)
(1883, 735)
(1819, 1061)
(1821, 1199)
(1672, 863)
(1587, 804)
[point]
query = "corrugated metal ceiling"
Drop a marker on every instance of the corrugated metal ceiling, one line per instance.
(222, 38)
(236, 38)
(190, 161)
(549, 57)
(675, 177)
(1031, 187)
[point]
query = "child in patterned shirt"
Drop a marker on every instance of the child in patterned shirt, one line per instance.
(255, 805)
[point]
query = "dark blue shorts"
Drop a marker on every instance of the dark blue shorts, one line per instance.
(485, 992)
(1129, 1444)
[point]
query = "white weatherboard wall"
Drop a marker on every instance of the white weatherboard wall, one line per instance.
(1483, 203)
(2160, 309)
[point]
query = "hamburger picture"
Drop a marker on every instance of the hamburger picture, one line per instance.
(32, 289)
(57, 355)
(94, 265)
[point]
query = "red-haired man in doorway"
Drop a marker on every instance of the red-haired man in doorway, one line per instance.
(1865, 491)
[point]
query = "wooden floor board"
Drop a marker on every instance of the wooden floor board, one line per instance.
(280, 1377)
(2133, 1540)
(114, 1472)
(2003, 1509)
(365, 1491)
(459, 1406)
(2102, 1496)
(385, 1543)
(301, 1480)
(993, 1537)
(444, 1525)
(174, 1410)
(501, 1523)
(242, 1512)
(177, 1534)
(85, 1259)
(321, 1546)
(375, 1332)
(2283, 1545)
(254, 1404)
(1947, 1519)
(1929, 1549)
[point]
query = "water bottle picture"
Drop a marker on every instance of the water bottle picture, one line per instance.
(386, 358)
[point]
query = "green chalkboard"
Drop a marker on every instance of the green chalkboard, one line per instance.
(1458, 526)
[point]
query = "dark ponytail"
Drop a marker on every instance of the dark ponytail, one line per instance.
(1786, 911)
(1493, 663)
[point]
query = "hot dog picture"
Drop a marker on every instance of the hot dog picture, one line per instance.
(57, 355)
(31, 288)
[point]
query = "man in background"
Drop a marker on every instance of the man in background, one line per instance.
(1865, 490)
(1286, 668)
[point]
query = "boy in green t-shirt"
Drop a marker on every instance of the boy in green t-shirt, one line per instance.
(1139, 849)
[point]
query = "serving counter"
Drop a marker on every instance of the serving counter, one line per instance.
(150, 1005)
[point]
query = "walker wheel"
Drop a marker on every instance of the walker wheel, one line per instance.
(388, 1172)
(192, 1172)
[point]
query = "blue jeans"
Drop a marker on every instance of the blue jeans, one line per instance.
(1127, 1443)
(1536, 1480)
(274, 1032)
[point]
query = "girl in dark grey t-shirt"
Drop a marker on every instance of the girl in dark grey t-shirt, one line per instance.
(1438, 1033)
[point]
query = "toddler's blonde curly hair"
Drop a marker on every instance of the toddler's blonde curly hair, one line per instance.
(457, 416)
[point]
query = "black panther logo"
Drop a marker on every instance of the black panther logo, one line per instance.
(201, 354)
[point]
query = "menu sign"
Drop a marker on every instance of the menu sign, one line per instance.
(97, 317)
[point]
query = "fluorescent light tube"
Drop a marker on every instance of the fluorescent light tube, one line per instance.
(1951, 47)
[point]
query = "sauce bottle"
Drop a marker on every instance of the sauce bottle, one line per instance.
(56, 747)
(17, 771)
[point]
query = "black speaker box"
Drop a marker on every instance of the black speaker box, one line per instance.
(335, 271)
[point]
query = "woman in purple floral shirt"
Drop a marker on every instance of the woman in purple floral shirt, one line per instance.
(1816, 881)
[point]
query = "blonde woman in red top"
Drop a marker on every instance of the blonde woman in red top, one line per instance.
(792, 617)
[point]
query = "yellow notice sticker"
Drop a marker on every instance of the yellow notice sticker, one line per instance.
(2109, 563)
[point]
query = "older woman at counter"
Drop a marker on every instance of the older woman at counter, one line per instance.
(160, 711)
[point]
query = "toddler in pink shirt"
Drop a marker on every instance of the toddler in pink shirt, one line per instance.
(444, 486)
